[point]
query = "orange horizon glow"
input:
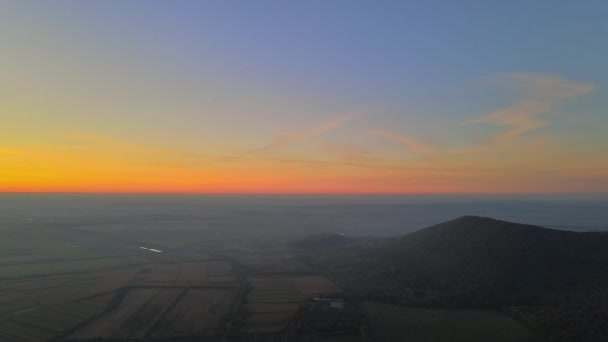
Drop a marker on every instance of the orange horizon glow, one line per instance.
(101, 164)
(156, 103)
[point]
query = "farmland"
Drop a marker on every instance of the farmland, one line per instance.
(271, 303)
(62, 267)
(390, 322)
(201, 284)
(197, 313)
(270, 262)
(47, 322)
(133, 318)
(55, 244)
(86, 282)
(204, 285)
(279, 284)
(275, 299)
(192, 274)
(165, 276)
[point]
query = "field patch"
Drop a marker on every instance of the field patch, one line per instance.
(198, 313)
(310, 286)
(11, 331)
(163, 274)
(194, 274)
(18, 304)
(55, 290)
(133, 318)
(53, 244)
(71, 266)
(272, 263)
(11, 296)
(391, 323)
(270, 303)
(274, 299)
(45, 323)
(220, 273)
(168, 234)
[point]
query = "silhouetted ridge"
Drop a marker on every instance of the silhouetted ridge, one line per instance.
(551, 280)
(482, 261)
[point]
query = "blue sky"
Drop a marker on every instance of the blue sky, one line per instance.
(237, 74)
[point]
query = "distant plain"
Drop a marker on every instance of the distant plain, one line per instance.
(78, 266)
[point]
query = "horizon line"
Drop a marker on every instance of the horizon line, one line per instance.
(302, 193)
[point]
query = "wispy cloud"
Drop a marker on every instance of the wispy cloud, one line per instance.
(288, 138)
(348, 152)
(407, 141)
(544, 93)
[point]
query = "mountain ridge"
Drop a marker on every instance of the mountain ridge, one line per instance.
(541, 276)
(477, 260)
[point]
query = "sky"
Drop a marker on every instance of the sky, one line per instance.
(304, 96)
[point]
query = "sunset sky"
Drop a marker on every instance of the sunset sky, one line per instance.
(304, 96)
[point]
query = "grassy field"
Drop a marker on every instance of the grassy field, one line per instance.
(272, 263)
(310, 286)
(395, 323)
(19, 245)
(198, 313)
(267, 303)
(159, 275)
(274, 299)
(110, 325)
(45, 251)
(46, 323)
(46, 268)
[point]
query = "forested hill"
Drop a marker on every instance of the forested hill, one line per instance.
(482, 261)
(545, 277)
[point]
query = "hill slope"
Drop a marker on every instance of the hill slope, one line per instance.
(474, 256)
(554, 281)
(477, 261)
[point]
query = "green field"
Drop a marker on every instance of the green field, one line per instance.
(396, 323)
(38, 269)
(56, 244)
